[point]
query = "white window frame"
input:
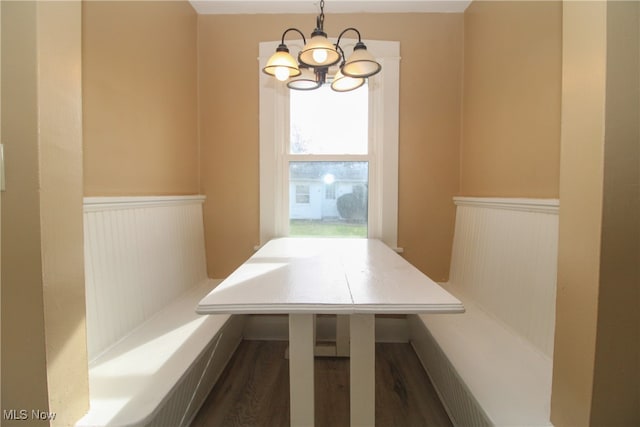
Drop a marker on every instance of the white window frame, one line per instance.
(384, 91)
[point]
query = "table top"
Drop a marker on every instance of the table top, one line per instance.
(330, 276)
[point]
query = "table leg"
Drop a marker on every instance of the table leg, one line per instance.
(301, 372)
(362, 370)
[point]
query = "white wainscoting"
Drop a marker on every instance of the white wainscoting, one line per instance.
(493, 364)
(128, 280)
(505, 259)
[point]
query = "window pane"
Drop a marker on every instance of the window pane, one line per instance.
(326, 122)
(328, 199)
(302, 194)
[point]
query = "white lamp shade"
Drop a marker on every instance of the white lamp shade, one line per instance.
(342, 83)
(282, 65)
(361, 64)
(305, 81)
(319, 52)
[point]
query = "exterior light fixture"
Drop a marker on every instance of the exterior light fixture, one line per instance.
(312, 68)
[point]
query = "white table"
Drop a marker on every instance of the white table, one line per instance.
(302, 277)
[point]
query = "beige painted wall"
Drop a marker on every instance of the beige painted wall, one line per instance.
(430, 94)
(511, 109)
(140, 98)
(61, 190)
(616, 382)
(584, 39)
(44, 341)
(597, 345)
(23, 348)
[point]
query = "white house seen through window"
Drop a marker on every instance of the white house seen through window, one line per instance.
(335, 182)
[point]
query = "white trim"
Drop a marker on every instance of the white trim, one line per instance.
(93, 204)
(385, 93)
(383, 156)
(221, 7)
(550, 206)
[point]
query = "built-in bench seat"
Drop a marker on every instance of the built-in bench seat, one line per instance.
(153, 360)
(493, 364)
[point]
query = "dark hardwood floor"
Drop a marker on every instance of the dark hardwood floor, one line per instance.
(254, 390)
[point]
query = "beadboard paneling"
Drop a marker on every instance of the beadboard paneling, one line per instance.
(505, 258)
(129, 279)
(463, 409)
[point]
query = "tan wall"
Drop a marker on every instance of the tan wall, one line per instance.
(584, 39)
(511, 113)
(62, 249)
(616, 383)
(23, 348)
(430, 92)
(596, 360)
(140, 98)
(44, 340)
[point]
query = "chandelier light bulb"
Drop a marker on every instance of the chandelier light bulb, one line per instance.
(320, 55)
(282, 73)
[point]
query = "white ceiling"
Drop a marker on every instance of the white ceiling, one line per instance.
(331, 6)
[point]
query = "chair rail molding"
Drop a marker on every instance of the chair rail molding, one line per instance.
(550, 206)
(92, 204)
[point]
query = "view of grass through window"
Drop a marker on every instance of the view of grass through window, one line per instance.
(328, 198)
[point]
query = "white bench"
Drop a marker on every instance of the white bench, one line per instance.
(493, 364)
(152, 359)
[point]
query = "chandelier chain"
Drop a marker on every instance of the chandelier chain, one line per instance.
(321, 17)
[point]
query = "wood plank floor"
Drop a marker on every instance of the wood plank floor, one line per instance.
(254, 390)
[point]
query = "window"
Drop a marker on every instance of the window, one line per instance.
(324, 122)
(324, 214)
(302, 194)
(296, 150)
(330, 189)
(342, 134)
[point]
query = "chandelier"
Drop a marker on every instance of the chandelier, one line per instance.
(311, 70)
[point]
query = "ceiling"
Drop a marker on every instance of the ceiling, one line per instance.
(331, 6)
